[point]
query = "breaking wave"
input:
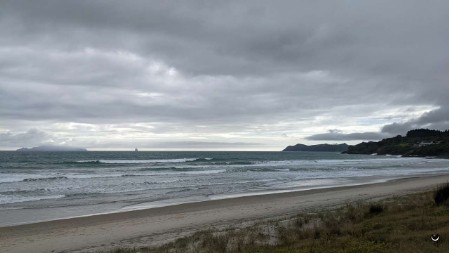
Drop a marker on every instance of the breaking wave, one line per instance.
(43, 179)
(180, 160)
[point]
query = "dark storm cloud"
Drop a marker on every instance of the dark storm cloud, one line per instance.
(436, 119)
(218, 63)
(255, 36)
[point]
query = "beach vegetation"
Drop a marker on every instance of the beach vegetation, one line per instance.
(399, 224)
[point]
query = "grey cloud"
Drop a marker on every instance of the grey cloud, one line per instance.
(205, 99)
(32, 137)
(338, 136)
(216, 63)
(438, 116)
(436, 119)
(200, 144)
(253, 36)
(398, 128)
(149, 143)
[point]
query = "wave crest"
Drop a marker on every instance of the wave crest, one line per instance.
(43, 179)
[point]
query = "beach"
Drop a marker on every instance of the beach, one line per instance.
(38, 187)
(159, 225)
(224, 126)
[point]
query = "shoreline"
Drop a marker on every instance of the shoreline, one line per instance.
(145, 205)
(157, 225)
(177, 202)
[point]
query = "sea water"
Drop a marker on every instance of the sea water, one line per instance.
(37, 186)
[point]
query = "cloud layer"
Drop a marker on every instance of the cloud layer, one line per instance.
(115, 74)
(338, 136)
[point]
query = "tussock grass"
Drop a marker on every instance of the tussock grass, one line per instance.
(401, 224)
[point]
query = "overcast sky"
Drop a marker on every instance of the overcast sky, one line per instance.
(220, 75)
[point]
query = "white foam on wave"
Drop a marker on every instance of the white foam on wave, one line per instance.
(181, 172)
(92, 176)
(11, 178)
(354, 163)
(14, 178)
(306, 183)
(201, 172)
(178, 160)
(9, 199)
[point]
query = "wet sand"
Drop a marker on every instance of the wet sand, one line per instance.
(159, 225)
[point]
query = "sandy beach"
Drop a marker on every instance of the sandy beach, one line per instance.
(159, 225)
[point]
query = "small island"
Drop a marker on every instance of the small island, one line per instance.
(318, 148)
(52, 148)
(418, 142)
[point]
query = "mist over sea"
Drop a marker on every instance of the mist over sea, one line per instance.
(36, 186)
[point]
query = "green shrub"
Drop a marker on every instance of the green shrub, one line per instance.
(441, 194)
(376, 209)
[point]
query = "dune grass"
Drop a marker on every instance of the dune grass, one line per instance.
(400, 224)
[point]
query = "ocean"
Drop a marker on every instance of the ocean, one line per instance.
(39, 186)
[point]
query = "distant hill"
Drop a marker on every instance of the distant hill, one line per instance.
(418, 142)
(318, 148)
(52, 148)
